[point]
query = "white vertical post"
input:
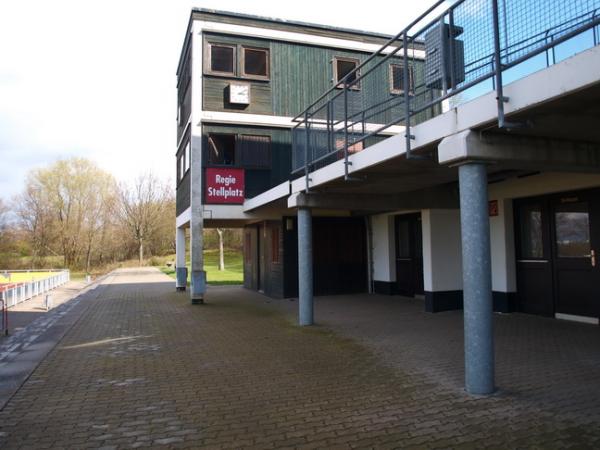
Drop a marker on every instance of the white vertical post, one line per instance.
(180, 266)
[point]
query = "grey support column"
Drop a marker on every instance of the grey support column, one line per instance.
(477, 279)
(180, 267)
(198, 275)
(305, 267)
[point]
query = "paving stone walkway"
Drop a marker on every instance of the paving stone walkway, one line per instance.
(141, 367)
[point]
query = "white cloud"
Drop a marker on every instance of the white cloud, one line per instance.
(97, 78)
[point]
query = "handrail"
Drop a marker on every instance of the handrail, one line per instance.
(352, 111)
(378, 52)
(15, 293)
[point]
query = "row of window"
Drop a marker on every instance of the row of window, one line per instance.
(183, 162)
(225, 149)
(245, 150)
(222, 60)
(345, 66)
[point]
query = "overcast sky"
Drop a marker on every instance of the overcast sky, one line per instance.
(96, 79)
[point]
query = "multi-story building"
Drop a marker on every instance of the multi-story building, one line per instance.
(457, 161)
(241, 81)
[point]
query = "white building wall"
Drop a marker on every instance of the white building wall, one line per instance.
(384, 254)
(502, 240)
(442, 255)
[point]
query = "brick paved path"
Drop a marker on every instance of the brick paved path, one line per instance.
(142, 367)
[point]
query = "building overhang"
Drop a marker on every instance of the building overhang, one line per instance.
(543, 101)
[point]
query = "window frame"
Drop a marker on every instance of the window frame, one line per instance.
(187, 152)
(243, 63)
(336, 78)
(411, 78)
(209, 69)
(235, 150)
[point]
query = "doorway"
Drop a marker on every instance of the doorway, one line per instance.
(557, 269)
(409, 255)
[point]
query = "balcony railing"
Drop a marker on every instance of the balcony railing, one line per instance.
(449, 54)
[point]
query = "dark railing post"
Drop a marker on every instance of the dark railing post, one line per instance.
(306, 152)
(451, 48)
(406, 86)
(346, 162)
(329, 128)
(363, 121)
(443, 56)
(498, 66)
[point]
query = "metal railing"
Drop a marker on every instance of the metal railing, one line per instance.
(12, 294)
(447, 51)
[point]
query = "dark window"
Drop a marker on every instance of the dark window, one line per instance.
(532, 244)
(573, 230)
(221, 149)
(255, 151)
(342, 67)
(403, 244)
(275, 245)
(256, 62)
(397, 79)
(222, 59)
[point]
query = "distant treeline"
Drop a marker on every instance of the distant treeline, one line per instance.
(76, 215)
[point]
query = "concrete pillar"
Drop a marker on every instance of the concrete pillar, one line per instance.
(477, 279)
(198, 275)
(180, 267)
(305, 268)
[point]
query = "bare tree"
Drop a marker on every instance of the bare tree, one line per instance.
(3, 216)
(60, 207)
(142, 207)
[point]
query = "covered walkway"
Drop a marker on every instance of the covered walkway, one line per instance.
(142, 366)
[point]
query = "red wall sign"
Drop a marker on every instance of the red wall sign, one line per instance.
(224, 186)
(493, 208)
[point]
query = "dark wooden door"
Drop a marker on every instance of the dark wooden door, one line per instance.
(575, 238)
(409, 255)
(534, 257)
(557, 237)
(339, 255)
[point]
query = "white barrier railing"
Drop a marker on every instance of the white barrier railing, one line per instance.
(15, 293)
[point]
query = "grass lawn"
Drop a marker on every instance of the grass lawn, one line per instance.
(21, 277)
(233, 273)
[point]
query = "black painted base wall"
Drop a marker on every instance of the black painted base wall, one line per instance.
(504, 302)
(384, 287)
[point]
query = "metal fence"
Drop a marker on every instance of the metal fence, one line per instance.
(12, 294)
(451, 53)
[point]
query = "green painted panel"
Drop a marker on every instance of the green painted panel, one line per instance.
(281, 151)
(299, 74)
(216, 91)
(182, 198)
(215, 86)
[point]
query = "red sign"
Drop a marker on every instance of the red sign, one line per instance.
(493, 208)
(224, 186)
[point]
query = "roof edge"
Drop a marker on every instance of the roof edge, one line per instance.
(290, 22)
